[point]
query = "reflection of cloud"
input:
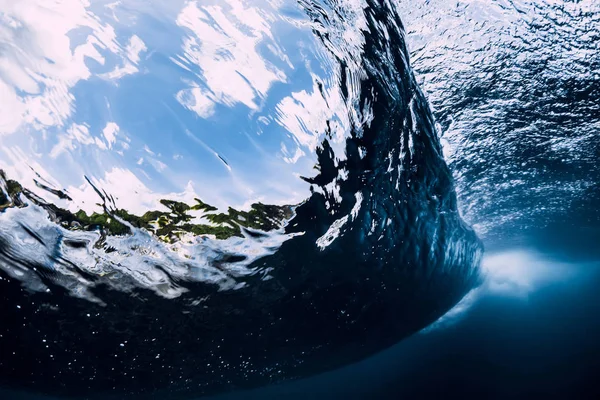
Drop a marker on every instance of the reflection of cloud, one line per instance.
(130, 61)
(74, 136)
(55, 56)
(12, 109)
(39, 47)
(110, 133)
(134, 48)
(291, 158)
(224, 46)
(304, 114)
(79, 135)
(129, 192)
(40, 61)
(197, 100)
(24, 168)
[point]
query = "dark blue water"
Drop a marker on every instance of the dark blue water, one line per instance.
(540, 345)
(536, 339)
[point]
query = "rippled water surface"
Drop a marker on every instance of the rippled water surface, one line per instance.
(203, 196)
(515, 89)
(131, 105)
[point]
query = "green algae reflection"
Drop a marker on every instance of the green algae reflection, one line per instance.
(167, 225)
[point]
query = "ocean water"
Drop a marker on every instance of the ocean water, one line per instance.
(526, 336)
(299, 199)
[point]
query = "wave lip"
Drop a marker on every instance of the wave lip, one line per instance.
(375, 253)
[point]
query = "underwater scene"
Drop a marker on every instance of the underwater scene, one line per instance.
(299, 199)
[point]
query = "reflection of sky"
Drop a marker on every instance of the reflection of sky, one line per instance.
(209, 99)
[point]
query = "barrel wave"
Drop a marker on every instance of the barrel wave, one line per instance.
(117, 302)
